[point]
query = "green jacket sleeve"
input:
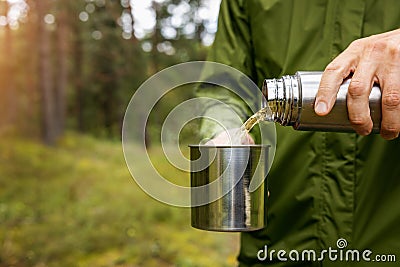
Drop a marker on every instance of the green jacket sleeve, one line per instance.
(232, 47)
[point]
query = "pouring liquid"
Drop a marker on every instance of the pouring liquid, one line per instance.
(241, 136)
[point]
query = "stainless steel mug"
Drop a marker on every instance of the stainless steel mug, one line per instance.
(228, 187)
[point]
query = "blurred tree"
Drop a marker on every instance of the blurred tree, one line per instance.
(63, 42)
(7, 78)
(46, 73)
(77, 54)
(9, 74)
(29, 92)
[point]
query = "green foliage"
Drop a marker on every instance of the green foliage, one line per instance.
(76, 205)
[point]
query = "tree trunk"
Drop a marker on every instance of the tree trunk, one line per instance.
(31, 112)
(3, 12)
(46, 83)
(62, 77)
(11, 97)
(77, 51)
(7, 85)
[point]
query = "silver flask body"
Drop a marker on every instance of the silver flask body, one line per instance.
(291, 100)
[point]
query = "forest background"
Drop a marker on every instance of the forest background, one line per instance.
(67, 72)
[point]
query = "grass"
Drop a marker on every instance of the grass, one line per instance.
(77, 205)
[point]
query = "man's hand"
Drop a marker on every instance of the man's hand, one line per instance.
(375, 59)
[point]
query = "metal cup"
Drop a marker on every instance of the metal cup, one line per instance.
(228, 187)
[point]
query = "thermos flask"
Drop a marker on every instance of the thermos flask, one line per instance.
(291, 100)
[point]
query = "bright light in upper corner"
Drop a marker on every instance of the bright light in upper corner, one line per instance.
(16, 13)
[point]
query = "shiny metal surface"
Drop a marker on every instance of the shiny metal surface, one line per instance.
(240, 209)
(292, 99)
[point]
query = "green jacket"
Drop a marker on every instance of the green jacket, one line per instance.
(324, 186)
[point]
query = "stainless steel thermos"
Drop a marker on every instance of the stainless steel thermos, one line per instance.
(291, 101)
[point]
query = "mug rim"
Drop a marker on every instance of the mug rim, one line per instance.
(228, 146)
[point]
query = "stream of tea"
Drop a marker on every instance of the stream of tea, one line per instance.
(241, 136)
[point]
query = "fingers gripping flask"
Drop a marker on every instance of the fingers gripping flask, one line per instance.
(291, 100)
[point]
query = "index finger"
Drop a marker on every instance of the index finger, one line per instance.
(333, 76)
